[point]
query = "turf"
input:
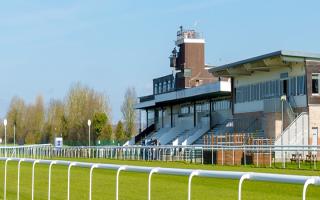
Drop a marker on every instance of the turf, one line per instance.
(134, 185)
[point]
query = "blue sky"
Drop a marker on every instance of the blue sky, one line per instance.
(45, 46)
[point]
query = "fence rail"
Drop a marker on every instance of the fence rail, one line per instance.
(259, 155)
(241, 176)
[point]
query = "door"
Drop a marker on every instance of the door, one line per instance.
(315, 138)
(285, 87)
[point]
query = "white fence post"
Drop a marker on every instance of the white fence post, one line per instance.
(32, 184)
(90, 181)
(18, 181)
(69, 169)
(243, 177)
(193, 173)
(305, 186)
(5, 179)
(117, 181)
(49, 179)
(154, 170)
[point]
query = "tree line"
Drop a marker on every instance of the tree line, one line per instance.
(38, 122)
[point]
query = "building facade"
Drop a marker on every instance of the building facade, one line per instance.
(274, 97)
(281, 90)
(185, 104)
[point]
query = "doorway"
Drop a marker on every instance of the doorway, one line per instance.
(285, 87)
(314, 136)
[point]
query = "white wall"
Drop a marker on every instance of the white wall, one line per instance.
(273, 74)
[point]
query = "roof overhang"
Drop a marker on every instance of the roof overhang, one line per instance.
(212, 90)
(262, 63)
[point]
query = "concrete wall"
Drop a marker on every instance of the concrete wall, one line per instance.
(259, 77)
(314, 121)
(274, 74)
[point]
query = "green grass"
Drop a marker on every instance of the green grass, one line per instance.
(134, 185)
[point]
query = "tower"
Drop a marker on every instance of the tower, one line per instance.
(188, 62)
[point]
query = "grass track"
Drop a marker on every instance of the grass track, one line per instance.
(133, 186)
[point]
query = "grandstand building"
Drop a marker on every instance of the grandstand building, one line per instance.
(274, 97)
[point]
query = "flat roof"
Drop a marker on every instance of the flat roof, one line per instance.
(261, 57)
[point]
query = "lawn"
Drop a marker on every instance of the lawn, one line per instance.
(134, 185)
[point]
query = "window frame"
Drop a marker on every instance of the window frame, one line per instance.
(318, 75)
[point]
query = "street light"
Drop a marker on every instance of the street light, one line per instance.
(89, 124)
(14, 133)
(283, 99)
(5, 122)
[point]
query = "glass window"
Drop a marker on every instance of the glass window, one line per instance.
(300, 85)
(156, 88)
(165, 86)
(160, 88)
(315, 83)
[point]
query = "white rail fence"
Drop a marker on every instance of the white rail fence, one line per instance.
(241, 176)
(271, 154)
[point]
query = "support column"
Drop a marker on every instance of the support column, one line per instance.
(210, 113)
(171, 116)
(147, 118)
(140, 125)
(162, 117)
(194, 114)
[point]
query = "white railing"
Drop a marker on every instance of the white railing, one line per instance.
(295, 134)
(241, 176)
(261, 155)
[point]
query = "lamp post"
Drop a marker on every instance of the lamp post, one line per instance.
(5, 122)
(14, 134)
(283, 99)
(89, 124)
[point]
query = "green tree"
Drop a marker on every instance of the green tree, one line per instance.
(129, 113)
(82, 103)
(106, 133)
(99, 122)
(119, 132)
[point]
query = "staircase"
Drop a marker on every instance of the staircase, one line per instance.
(181, 137)
(232, 126)
(150, 129)
(296, 133)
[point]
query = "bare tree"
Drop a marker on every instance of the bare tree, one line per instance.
(129, 113)
(55, 120)
(16, 117)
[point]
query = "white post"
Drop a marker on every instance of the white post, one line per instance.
(5, 179)
(49, 179)
(32, 184)
(90, 181)
(89, 124)
(5, 122)
(69, 169)
(243, 177)
(14, 134)
(305, 186)
(18, 182)
(194, 173)
(149, 181)
(117, 181)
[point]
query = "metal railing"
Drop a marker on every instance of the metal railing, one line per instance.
(228, 154)
(241, 176)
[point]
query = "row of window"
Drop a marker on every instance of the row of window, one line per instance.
(205, 106)
(293, 86)
(163, 87)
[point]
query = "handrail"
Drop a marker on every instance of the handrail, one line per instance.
(253, 176)
(302, 113)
